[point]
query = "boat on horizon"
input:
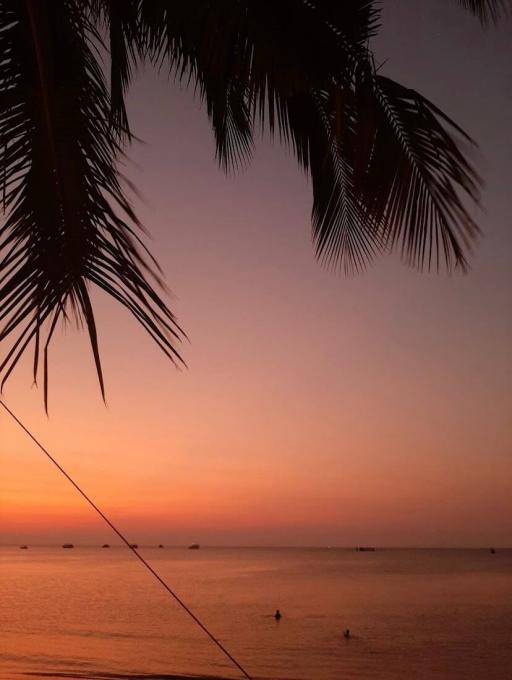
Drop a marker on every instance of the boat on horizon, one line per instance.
(366, 548)
(194, 546)
(68, 545)
(23, 547)
(105, 545)
(160, 545)
(134, 545)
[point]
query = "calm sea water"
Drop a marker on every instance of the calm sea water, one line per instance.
(94, 613)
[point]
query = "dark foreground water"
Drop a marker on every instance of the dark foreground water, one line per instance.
(96, 613)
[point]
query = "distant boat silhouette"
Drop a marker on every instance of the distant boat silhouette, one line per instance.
(365, 549)
(194, 546)
(134, 545)
(105, 545)
(23, 547)
(492, 550)
(160, 545)
(68, 545)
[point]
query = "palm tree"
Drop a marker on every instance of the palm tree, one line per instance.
(388, 168)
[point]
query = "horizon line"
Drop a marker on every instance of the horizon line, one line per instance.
(264, 547)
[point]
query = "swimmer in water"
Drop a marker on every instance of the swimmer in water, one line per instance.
(346, 634)
(277, 615)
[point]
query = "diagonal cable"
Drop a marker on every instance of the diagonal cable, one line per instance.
(125, 540)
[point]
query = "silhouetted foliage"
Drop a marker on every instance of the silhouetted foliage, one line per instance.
(488, 11)
(388, 168)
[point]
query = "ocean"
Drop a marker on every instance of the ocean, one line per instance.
(96, 613)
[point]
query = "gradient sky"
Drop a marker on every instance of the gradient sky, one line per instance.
(315, 409)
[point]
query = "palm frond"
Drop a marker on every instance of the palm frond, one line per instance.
(265, 63)
(413, 173)
(61, 187)
(198, 44)
(388, 168)
(119, 19)
(487, 11)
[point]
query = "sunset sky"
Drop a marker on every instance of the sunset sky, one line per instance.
(315, 409)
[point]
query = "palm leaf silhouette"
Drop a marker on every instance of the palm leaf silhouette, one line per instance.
(59, 153)
(388, 168)
(488, 11)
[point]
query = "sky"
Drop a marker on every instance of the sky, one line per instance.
(315, 409)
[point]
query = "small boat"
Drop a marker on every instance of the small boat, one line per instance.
(134, 545)
(105, 545)
(68, 545)
(194, 546)
(160, 545)
(23, 547)
(492, 551)
(365, 549)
